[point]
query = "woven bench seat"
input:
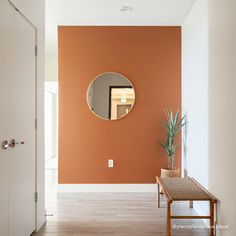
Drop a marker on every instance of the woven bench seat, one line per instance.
(184, 189)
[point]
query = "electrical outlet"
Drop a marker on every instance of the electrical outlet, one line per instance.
(110, 163)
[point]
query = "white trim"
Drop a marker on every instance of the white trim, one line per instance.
(76, 188)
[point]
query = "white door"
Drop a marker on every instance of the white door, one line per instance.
(17, 121)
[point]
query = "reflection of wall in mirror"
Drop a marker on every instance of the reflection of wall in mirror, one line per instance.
(101, 92)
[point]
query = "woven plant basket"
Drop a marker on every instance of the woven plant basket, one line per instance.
(167, 173)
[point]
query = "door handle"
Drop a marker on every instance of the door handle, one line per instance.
(12, 144)
(5, 145)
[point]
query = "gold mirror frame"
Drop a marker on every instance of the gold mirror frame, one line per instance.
(126, 85)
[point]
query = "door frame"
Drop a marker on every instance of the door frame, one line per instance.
(110, 91)
(27, 20)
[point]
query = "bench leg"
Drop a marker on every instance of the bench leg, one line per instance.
(212, 229)
(158, 196)
(190, 204)
(168, 219)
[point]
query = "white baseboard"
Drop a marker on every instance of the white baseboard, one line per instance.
(77, 188)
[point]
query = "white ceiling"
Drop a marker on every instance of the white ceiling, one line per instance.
(107, 12)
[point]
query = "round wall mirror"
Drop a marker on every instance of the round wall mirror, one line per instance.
(110, 96)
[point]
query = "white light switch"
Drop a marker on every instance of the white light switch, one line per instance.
(110, 163)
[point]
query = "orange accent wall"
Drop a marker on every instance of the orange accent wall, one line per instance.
(150, 57)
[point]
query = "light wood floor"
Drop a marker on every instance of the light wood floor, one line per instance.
(119, 214)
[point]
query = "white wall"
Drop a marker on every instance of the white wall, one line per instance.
(51, 43)
(195, 95)
(209, 83)
(51, 60)
(35, 11)
(222, 109)
(51, 120)
(195, 91)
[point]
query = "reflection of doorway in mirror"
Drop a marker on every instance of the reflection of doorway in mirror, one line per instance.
(122, 110)
(122, 99)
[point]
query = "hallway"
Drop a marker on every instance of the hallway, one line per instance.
(126, 214)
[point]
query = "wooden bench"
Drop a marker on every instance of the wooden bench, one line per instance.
(185, 189)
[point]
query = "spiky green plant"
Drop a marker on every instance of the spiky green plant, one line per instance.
(172, 126)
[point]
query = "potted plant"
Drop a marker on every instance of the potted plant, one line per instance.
(172, 126)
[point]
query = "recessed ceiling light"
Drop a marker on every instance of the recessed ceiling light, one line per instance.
(125, 8)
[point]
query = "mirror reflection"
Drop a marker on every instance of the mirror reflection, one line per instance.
(111, 96)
